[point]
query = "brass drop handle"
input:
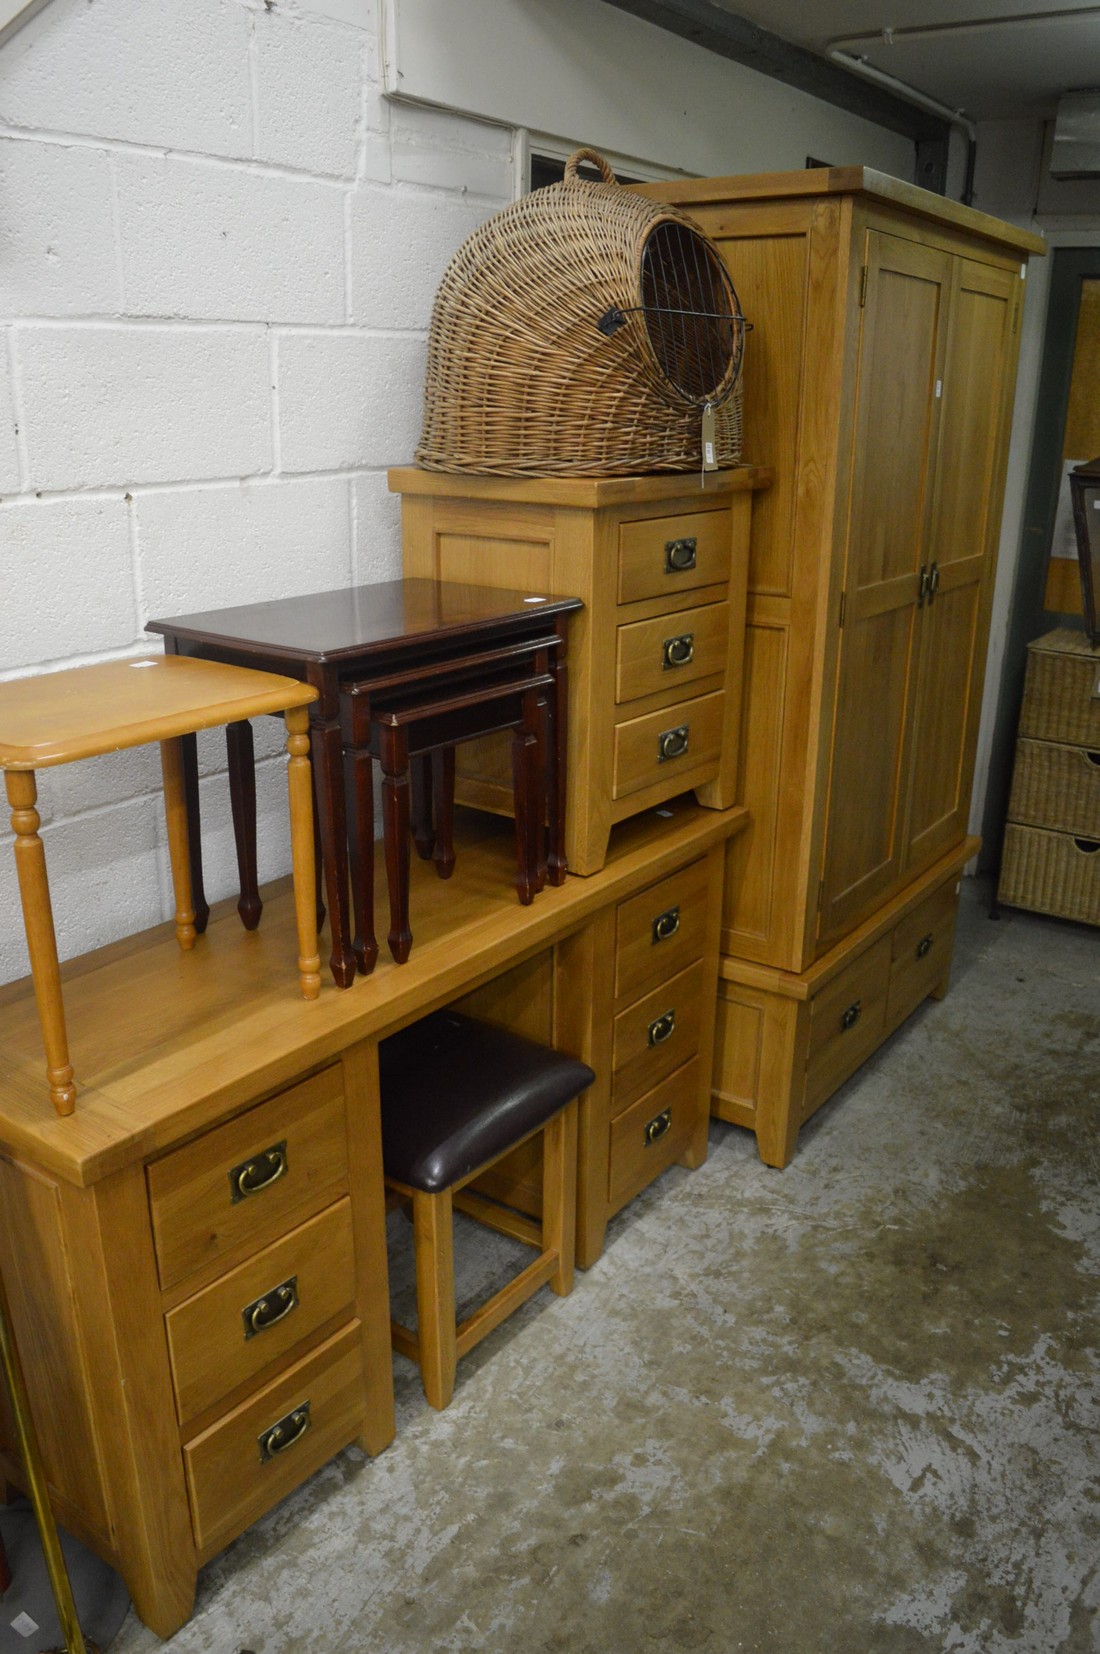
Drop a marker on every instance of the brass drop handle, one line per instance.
(678, 651)
(282, 1435)
(253, 1176)
(852, 1015)
(672, 743)
(680, 555)
(924, 946)
(270, 1308)
(662, 1028)
(655, 1129)
(666, 924)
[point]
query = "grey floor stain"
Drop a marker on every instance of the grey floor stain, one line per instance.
(848, 1407)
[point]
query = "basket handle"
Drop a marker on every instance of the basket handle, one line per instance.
(597, 161)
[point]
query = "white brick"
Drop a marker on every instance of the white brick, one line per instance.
(377, 530)
(95, 783)
(215, 547)
(436, 148)
(146, 71)
(211, 242)
(9, 452)
(58, 237)
(68, 580)
(307, 93)
(349, 400)
(118, 405)
(401, 244)
(105, 882)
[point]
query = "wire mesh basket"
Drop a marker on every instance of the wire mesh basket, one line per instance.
(584, 330)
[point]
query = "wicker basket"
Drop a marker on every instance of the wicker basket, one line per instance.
(1056, 786)
(1051, 873)
(583, 331)
(1062, 690)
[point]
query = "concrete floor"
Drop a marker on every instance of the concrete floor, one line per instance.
(849, 1408)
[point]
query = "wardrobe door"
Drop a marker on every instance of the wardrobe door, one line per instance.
(966, 515)
(901, 350)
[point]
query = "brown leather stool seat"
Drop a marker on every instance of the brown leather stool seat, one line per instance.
(458, 1095)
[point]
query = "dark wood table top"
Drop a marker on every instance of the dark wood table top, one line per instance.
(360, 620)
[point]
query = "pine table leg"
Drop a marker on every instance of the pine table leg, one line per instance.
(34, 893)
(175, 815)
(300, 786)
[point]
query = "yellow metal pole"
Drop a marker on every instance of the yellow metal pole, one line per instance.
(27, 1442)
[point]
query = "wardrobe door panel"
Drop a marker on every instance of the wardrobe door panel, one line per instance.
(966, 515)
(900, 373)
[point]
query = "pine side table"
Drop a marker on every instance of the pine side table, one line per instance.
(89, 710)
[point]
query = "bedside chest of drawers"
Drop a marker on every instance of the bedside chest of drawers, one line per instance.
(655, 656)
(1051, 858)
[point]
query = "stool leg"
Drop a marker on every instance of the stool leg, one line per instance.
(559, 1195)
(189, 758)
(303, 859)
(443, 789)
(420, 771)
(394, 755)
(433, 1238)
(241, 754)
(359, 792)
(34, 893)
(175, 815)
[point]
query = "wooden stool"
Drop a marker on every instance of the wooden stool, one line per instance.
(89, 710)
(457, 1095)
(402, 724)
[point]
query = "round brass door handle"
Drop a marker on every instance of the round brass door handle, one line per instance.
(666, 924)
(259, 1173)
(672, 743)
(656, 1128)
(679, 555)
(662, 1028)
(283, 1435)
(679, 651)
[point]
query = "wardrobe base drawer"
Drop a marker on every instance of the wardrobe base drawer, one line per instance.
(922, 945)
(653, 1133)
(847, 1019)
(254, 1456)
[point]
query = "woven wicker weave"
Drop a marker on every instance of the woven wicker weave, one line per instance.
(1062, 690)
(522, 382)
(1051, 873)
(1056, 786)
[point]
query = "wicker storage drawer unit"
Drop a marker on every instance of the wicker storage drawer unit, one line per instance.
(1051, 858)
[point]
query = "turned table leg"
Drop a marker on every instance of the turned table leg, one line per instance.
(525, 792)
(394, 756)
(175, 815)
(556, 758)
(241, 755)
(443, 792)
(189, 755)
(300, 787)
(34, 893)
(359, 795)
(423, 829)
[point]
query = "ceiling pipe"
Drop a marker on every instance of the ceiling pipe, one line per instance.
(926, 31)
(957, 117)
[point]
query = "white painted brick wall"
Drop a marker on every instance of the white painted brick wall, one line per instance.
(210, 548)
(218, 252)
(69, 580)
(249, 247)
(343, 401)
(57, 252)
(143, 404)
